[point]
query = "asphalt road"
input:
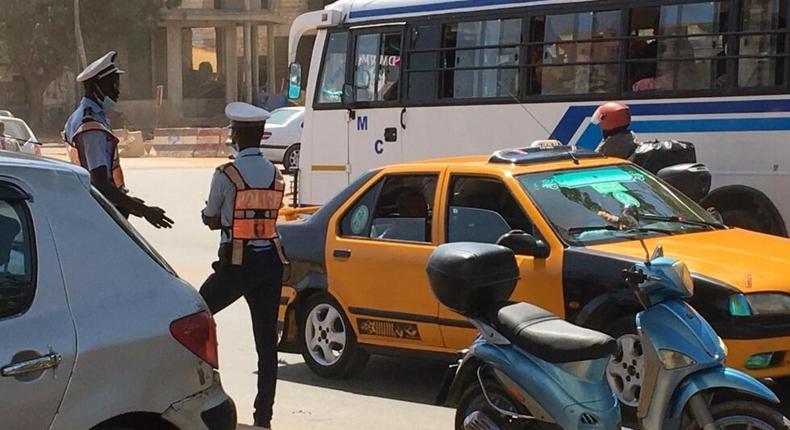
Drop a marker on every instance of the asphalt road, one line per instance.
(389, 394)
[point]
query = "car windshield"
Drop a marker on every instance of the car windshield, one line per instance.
(574, 201)
(15, 129)
(281, 116)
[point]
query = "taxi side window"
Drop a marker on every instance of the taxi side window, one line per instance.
(399, 208)
(482, 209)
(16, 280)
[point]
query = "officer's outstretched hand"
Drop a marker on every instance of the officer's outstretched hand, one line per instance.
(156, 216)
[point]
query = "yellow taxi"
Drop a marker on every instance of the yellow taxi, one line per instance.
(357, 283)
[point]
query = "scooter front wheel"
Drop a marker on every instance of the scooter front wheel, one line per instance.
(743, 414)
(473, 400)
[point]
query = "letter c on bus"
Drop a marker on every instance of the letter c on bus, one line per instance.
(379, 147)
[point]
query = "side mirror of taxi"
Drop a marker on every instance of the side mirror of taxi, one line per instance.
(522, 243)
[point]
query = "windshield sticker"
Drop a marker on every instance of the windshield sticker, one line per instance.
(609, 188)
(626, 199)
(359, 220)
(589, 177)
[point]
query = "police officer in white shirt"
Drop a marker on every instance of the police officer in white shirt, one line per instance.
(243, 203)
(88, 133)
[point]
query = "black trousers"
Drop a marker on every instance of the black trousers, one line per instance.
(259, 280)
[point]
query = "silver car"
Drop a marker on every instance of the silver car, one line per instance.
(96, 330)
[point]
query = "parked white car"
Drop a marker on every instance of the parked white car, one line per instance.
(282, 137)
(4, 112)
(96, 330)
(20, 135)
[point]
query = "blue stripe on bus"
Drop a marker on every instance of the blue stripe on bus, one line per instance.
(575, 115)
(592, 135)
(434, 7)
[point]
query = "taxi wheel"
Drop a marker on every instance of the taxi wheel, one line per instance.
(626, 368)
(329, 345)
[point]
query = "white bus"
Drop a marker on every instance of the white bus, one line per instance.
(399, 80)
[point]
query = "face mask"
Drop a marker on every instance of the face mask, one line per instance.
(108, 103)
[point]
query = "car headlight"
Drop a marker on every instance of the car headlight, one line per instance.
(769, 304)
(674, 360)
(684, 274)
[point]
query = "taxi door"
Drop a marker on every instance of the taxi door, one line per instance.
(377, 250)
(481, 208)
(376, 132)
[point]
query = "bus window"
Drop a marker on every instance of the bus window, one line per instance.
(423, 62)
(481, 59)
(334, 69)
(575, 53)
(762, 67)
(665, 54)
(378, 60)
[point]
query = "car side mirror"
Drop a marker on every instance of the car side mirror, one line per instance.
(522, 243)
(294, 81)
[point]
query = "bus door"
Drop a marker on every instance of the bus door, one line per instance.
(324, 151)
(376, 132)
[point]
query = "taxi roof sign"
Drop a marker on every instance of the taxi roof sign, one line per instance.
(541, 151)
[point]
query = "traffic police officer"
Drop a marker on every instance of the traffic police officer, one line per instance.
(615, 121)
(243, 203)
(93, 145)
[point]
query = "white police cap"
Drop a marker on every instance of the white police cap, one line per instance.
(101, 68)
(245, 115)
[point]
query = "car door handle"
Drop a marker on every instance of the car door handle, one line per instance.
(342, 253)
(33, 365)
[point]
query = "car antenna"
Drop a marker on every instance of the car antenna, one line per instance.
(515, 99)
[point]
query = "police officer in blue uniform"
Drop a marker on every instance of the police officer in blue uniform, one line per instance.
(88, 133)
(243, 203)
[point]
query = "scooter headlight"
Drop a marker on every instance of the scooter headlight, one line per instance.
(724, 347)
(674, 360)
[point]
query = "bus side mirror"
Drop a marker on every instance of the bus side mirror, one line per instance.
(348, 94)
(295, 81)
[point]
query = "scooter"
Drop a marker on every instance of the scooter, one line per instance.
(529, 369)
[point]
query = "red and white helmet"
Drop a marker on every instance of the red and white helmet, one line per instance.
(612, 115)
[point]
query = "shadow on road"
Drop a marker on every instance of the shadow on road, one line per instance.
(405, 379)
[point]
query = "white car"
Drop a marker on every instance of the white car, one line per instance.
(19, 134)
(282, 137)
(4, 112)
(96, 330)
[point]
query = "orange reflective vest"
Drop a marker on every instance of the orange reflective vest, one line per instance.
(74, 156)
(255, 212)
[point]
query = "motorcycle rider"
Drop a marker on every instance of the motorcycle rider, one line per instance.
(615, 121)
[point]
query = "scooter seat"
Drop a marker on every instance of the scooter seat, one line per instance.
(547, 336)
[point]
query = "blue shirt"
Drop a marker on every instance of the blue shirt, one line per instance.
(95, 147)
(257, 171)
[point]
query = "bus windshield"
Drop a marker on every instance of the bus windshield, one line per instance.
(574, 201)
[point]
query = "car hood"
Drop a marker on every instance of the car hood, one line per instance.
(751, 262)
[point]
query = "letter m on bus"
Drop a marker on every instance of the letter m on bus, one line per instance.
(362, 123)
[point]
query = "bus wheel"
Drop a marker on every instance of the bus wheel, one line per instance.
(329, 345)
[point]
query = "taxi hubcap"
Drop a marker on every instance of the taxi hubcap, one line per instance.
(626, 369)
(325, 333)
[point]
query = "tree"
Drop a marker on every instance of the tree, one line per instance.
(40, 40)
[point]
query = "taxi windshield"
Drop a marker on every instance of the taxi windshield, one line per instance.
(574, 201)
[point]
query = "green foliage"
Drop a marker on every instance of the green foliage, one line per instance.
(39, 36)
(118, 24)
